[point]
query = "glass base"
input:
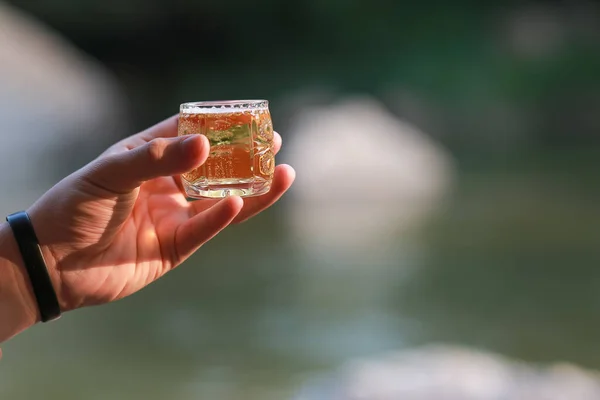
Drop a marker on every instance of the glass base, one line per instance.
(218, 190)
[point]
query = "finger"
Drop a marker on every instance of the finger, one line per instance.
(204, 226)
(164, 129)
(282, 180)
(125, 171)
(276, 142)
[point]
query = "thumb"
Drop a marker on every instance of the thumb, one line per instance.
(125, 171)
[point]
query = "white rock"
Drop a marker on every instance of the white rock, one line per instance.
(363, 176)
(453, 373)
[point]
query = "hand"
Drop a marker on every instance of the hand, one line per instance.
(122, 221)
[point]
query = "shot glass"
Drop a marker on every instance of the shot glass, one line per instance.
(241, 160)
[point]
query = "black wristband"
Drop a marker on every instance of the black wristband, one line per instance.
(35, 265)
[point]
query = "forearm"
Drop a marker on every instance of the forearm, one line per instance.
(18, 309)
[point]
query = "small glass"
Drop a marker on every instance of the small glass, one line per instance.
(241, 160)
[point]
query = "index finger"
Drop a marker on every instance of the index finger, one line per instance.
(164, 129)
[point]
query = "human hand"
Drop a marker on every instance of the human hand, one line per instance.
(122, 221)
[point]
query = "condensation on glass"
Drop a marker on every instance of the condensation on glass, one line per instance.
(241, 160)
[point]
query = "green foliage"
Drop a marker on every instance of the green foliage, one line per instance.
(456, 57)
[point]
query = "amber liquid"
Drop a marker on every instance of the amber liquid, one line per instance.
(241, 153)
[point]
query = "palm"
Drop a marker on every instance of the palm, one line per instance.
(142, 250)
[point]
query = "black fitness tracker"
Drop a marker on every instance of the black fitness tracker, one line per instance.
(35, 265)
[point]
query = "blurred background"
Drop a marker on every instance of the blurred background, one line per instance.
(448, 192)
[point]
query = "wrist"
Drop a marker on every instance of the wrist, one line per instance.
(45, 242)
(18, 306)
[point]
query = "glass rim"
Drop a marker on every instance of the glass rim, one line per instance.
(220, 106)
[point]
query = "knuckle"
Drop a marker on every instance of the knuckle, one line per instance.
(156, 149)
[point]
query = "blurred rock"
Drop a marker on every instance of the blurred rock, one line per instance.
(539, 30)
(536, 30)
(453, 373)
(58, 108)
(363, 178)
